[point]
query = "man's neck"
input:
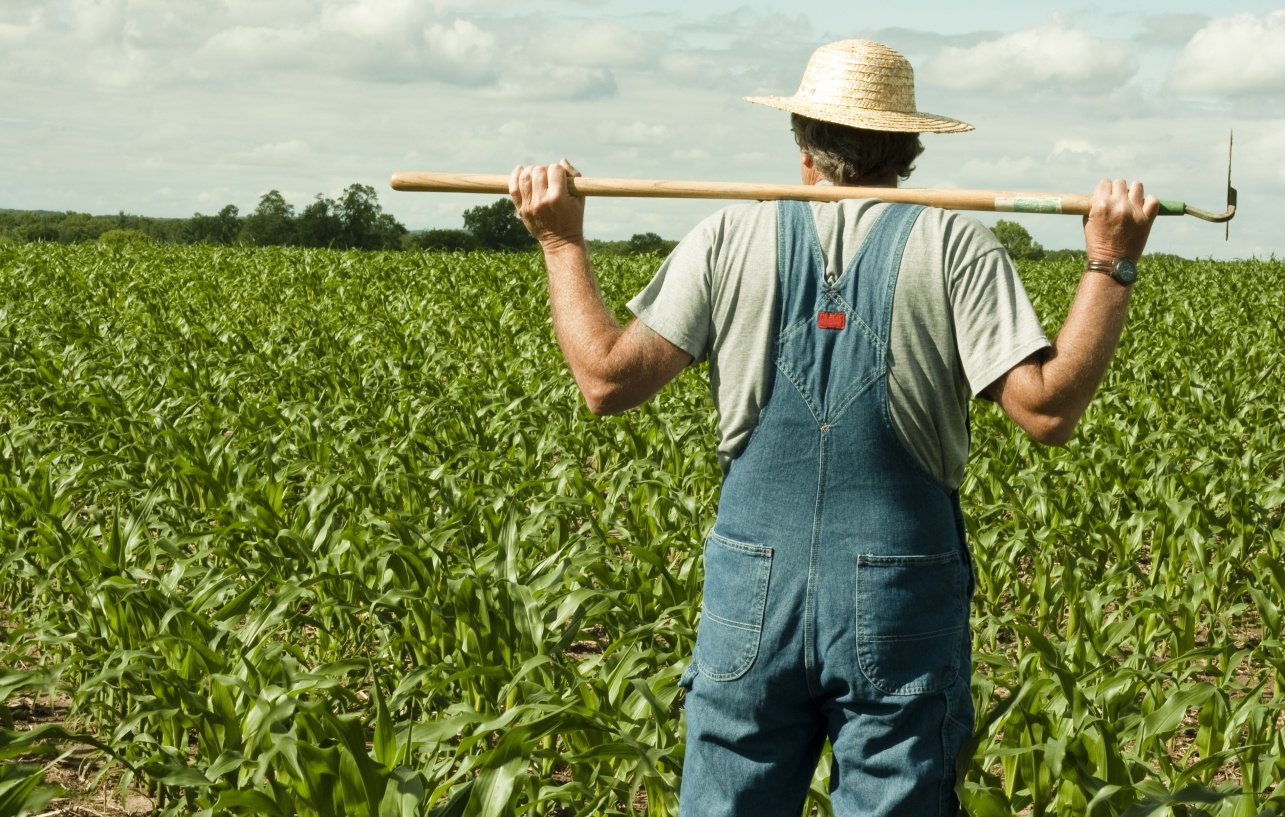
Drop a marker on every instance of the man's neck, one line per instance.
(876, 181)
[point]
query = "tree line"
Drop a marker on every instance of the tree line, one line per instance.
(353, 220)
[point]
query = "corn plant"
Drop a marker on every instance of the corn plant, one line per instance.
(318, 532)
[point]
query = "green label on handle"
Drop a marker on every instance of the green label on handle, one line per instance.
(1028, 204)
(1172, 208)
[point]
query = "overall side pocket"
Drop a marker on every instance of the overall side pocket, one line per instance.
(911, 614)
(735, 597)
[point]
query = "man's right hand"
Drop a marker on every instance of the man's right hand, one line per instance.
(1119, 221)
(549, 211)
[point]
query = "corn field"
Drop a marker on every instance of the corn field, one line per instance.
(312, 532)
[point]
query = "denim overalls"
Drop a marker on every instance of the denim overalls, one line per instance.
(837, 579)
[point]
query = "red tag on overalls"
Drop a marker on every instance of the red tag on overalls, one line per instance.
(831, 320)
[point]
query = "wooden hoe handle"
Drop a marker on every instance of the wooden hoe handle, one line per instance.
(994, 200)
(997, 201)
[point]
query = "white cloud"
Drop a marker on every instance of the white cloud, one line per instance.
(1006, 173)
(514, 129)
(637, 133)
(558, 82)
(1265, 152)
(460, 42)
(596, 45)
(258, 46)
(1075, 147)
(690, 155)
(1241, 55)
(1048, 57)
(1085, 152)
(691, 65)
(460, 53)
(279, 151)
(16, 27)
(373, 19)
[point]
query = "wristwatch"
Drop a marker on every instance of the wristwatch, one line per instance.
(1122, 270)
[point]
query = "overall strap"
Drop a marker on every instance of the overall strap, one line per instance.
(871, 277)
(800, 265)
(832, 338)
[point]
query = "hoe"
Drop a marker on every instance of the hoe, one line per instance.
(989, 200)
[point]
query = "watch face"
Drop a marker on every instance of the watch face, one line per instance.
(1126, 272)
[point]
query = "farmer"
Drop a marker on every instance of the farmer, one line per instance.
(844, 342)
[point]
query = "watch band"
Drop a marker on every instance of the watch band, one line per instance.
(1122, 270)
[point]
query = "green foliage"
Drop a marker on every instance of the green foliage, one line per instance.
(127, 236)
(1078, 256)
(441, 240)
(496, 226)
(353, 221)
(364, 224)
(318, 532)
(319, 225)
(1017, 241)
(638, 244)
(273, 222)
(218, 229)
(21, 792)
(650, 244)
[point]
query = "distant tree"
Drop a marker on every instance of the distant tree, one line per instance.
(40, 228)
(118, 237)
(496, 226)
(220, 229)
(353, 221)
(650, 244)
(1065, 255)
(171, 230)
(1017, 241)
(319, 225)
(75, 228)
(441, 240)
(358, 211)
(390, 232)
(273, 222)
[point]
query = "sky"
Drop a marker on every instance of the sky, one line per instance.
(171, 107)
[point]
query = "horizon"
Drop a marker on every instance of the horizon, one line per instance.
(167, 111)
(590, 239)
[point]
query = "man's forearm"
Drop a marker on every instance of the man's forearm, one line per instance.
(585, 328)
(1070, 373)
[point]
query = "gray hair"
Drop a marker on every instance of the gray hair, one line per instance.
(847, 155)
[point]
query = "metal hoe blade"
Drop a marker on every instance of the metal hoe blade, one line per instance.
(1225, 217)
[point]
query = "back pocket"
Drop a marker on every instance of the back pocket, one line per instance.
(736, 577)
(912, 612)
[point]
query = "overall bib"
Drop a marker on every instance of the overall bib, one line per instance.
(837, 579)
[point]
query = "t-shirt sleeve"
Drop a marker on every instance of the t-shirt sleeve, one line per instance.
(677, 304)
(996, 326)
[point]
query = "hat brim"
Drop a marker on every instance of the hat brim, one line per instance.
(869, 119)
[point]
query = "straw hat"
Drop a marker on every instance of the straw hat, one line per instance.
(863, 85)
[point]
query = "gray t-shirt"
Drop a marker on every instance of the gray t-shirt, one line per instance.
(960, 319)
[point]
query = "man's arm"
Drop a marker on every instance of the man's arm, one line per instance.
(1047, 393)
(615, 367)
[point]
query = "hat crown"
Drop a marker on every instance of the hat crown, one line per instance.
(861, 84)
(862, 74)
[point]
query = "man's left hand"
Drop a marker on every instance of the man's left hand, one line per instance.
(550, 212)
